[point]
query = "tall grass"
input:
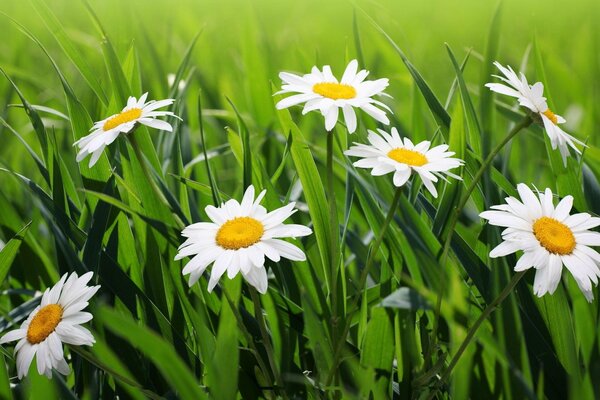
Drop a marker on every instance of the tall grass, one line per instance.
(326, 328)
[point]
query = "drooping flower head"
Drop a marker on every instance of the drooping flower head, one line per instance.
(390, 153)
(532, 97)
(238, 239)
(106, 131)
(320, 90)
(549, 238)
(55, 321)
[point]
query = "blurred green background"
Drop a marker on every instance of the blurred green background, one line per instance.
(244, 44)
(293, 35)
(241, 49)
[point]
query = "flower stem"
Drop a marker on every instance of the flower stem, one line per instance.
(471, 334)
(363, 280)
(458, 211)
(334, 233)
(265, 336)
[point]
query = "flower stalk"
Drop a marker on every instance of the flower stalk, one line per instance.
(363, 279)
(334, 236)
(471, 334)
(458, 211)
(258, 313)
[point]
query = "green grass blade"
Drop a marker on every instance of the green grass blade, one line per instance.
(226, 356)
(9, 251)
(438, 111)
(472, 122)
(312, 185)
(486, 104)
(58, 32)
(34, 118)
(159, 351)
(247, 152)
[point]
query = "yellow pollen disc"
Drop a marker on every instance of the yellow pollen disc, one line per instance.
(551, 116)
(335, 91)
(239, 233)
(554, 236)
(409, 157)
(126, 116)
(44, 323)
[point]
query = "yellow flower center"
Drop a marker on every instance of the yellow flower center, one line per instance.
(551, 116)
(126, 116)
(409, 157)
(335, 91)
(44, 323)
(239, 233)
(555, 236)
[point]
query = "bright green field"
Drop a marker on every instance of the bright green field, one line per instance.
(157, 338)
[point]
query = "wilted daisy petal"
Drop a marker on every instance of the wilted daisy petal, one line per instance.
(549, 238)
(532, 98)
(238, 239)
(55, 321)
(320, 90)
(389, 153)
(137, 111)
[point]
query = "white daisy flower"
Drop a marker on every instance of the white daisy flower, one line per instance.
(390, 153)
(320, 90)
(238, 239)
(106, 131)
(532, 98)
(55, 321)
(549, 238)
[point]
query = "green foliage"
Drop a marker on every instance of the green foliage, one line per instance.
(66, 64)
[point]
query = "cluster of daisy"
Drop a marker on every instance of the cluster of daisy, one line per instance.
(387, 152)
(548, 237)
(242, 235)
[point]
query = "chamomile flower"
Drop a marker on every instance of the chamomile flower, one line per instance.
(238, 239)
(320, 90)
(390, 153)
(532, 97)
(55, 321)
(549, 238)
(137, 111)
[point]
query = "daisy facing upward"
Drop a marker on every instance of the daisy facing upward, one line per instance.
(137, 111)
(390, 153)
(320, 90)
(532, 98)
(238, 239)
(55, 321)
(549, 238)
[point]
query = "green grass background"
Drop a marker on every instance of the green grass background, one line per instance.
(532, 348)
(244, 45)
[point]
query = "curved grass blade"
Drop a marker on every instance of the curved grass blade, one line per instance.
(438, 111)
(34, 118)
(9, 251)
(473, 125)
(247, 152)
(78, 116)
(486, 103)
(58, 32)
(159, 351)
(312, 187)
